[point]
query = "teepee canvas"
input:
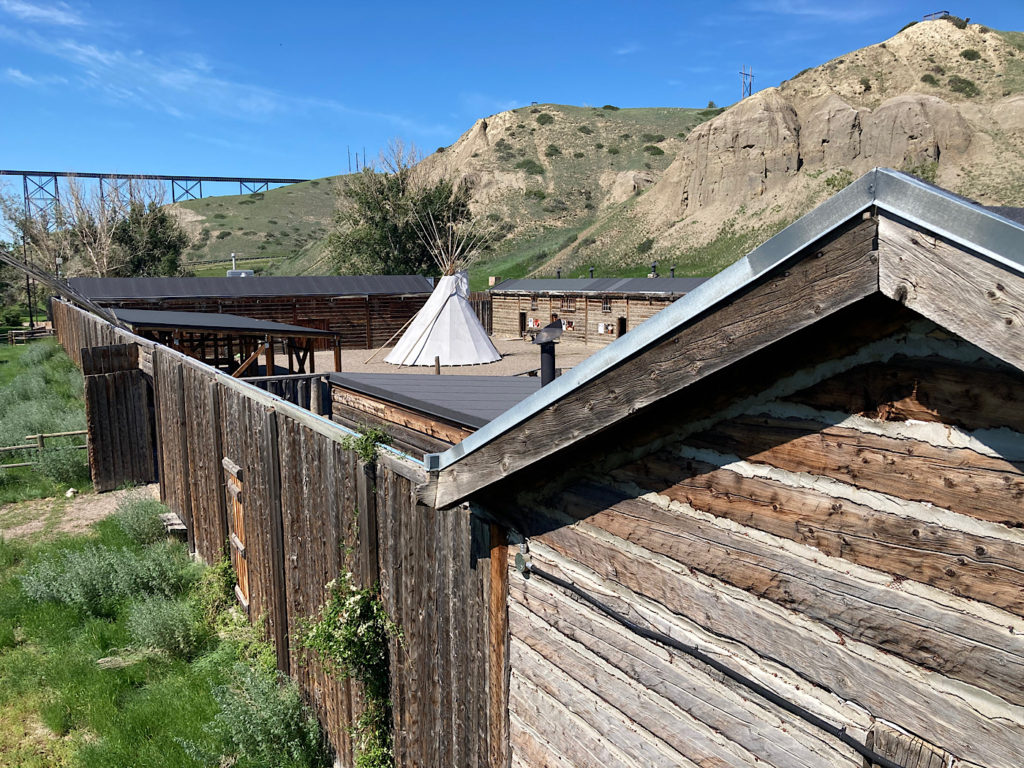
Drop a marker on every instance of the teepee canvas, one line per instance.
(446, 327)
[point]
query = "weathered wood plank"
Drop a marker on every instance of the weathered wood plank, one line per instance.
(764, 732)
(953, 643)
(957, 479)
(497, 639)
(829, 276)
(968, 396)
(966, 293)
(980, 567)
(883, 685)
(396, 414)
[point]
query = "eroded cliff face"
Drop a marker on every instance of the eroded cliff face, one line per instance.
(756, 149)
(901, 104)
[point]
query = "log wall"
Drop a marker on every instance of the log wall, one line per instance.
(312, 508)
(850, 537)
(585, 312)
(364, 322)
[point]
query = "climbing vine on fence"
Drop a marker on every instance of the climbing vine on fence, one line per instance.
(350, 637)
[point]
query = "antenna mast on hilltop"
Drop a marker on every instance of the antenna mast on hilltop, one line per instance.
(746, 81)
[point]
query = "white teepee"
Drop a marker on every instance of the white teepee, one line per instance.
(447, 328)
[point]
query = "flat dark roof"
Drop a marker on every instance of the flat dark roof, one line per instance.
(211, 321)
(471, 401)
(669, 286)
(120, 288)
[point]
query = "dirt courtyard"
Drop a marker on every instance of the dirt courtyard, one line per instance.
(517, 356)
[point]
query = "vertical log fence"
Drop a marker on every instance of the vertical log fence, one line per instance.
(270, 484)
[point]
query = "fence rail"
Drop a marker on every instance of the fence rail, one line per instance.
(38, 443)
(27, 335)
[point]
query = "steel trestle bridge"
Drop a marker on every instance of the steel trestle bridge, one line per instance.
(42, 193)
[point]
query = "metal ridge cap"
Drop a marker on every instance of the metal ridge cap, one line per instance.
(852, 200)
(951, 216)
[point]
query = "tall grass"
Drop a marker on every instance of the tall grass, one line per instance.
(120, 651)
(42, 393)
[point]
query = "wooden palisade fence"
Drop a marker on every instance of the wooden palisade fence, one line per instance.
(310, 509)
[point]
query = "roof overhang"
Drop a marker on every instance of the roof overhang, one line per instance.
(942, 213)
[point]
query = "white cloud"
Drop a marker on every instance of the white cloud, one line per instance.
(57, 14)
(18, 77)
(627, 49)
(184, 84)
(819, 9)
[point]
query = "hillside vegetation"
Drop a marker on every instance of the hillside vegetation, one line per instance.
(614, 189)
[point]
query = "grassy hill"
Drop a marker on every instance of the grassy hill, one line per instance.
(572, 188)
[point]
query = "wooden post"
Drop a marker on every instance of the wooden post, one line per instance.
(437, 365)
(369, 330)
(337, 354)
(270, 470)
(498, 635)
(311, 346)
(270, 356)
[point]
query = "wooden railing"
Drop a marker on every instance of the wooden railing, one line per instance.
(38, 443)
(27, 335)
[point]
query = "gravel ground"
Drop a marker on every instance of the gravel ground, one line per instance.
(44, 517)
(517, 356)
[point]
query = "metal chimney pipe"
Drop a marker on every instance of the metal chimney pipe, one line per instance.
(558, 273)
(672, 271)
(591, 272)
(547, 363)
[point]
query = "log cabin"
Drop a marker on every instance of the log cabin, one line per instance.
(778, 524)
(782, 522)
(595, 310)
(365, 311)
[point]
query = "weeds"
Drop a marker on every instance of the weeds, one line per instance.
(139, 518)
(366, 443)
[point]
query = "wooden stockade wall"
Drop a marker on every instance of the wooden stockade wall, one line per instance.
(312, 508)
(363, 322)
(836, 516)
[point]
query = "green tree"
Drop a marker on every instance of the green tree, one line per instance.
(377, 229)
(151, 241)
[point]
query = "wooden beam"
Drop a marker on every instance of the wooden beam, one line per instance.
(251, 359)
(406, 417)
(968, 294)
(827, 276)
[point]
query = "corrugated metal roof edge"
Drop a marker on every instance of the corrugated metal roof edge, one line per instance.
(938, 210)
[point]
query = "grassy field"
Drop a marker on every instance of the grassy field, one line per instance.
(119, 651)
(42, 393)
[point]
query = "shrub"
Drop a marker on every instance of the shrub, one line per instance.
(578, 155)
(613, 150)
(366, 443)
(535, 194)
(66, 465)
(956, 21)
(439, 150)
(865, 83)
(530, 166)
(545, 118)
(625, 136)
(11, 316)
(172, 626)
(908, 25)
(223, 234)
(929, 78)
(650, 149)
(37, 354)
(610, 108)
(586, 242)
(262, 723)
(552, 150)
(599, 145)
(938, 69)
(652, 138)
(220, 215)
(214, 593)
(350, 637)
(970, 54)
(839, 180)
(926, 170)
(645, 246)
(97, 579)
(585, 130)
(140, 519)
(963, 86)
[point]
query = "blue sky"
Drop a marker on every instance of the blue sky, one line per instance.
(280, 89)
